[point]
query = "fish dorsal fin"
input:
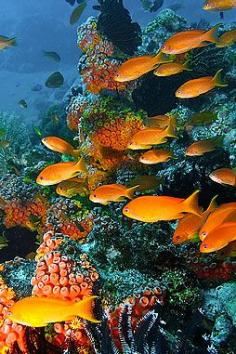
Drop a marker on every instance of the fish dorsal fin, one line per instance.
(212, 206)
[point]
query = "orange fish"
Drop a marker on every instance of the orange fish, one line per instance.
(152, 136)
(112, 193)
(218, 238)
(219, 5)
(227, 39)
(184, 41)
(134, 68)
(156, 208)
(146, 182)
(189, 226)
(201, 147)
(169, 69)
(224, 213)
(59, 145)
(59, 172)
(160, 121)
(196, 87)
(153, 157)
(224, 176)
(34, 311)
(72, 187)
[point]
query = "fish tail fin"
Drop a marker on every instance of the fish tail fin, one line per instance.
(211, 35)
(81, 166)
(12, 41)
(191, 204)
(218, 79)
(213, 205)
(163, 58)
(218, 140)
(130, 191)
(84, 309)
(186, 66)
(170, 130)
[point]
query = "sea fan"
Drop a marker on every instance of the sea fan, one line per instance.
(116, 24)
(146, 339)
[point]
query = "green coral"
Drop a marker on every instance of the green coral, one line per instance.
(106, 110)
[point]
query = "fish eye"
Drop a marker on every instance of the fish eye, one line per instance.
(41, 178)
(126, 210)
(204, 233)
(94, 195)
(205, 245)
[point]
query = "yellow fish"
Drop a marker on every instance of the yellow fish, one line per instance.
(152, 136)
(134, 68)
(196, 87)
(160, 121)
(146, 182)
(156, 208)
(36, 311)
(72, 187)
(219, 5)
(59, 172)
(112, 193)
(170, 69)
(59, 145)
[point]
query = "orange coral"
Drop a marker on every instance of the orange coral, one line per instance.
(75, 232)
(99, 69)
(60, 277)
(107, 159)
(10, 332)
(19, 214)
(116, 134)
(99, 75)
(73, 119)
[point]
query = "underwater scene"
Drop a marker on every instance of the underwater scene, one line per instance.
(118, 177)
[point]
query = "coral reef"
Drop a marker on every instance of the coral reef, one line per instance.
(154, 296)
(97, 66)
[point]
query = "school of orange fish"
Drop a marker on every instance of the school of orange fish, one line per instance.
(216, 226)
